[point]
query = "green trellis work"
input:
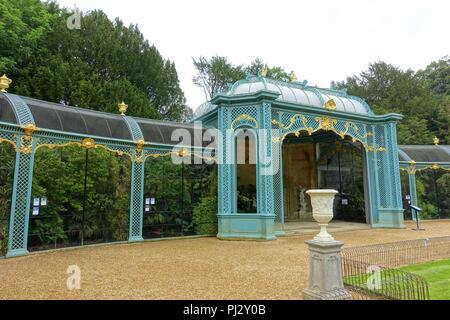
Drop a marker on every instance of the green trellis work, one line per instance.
(23, 175)
(20, 203)
(136, 199)
(137, 183)
(26, 146)
(231, 118)
(260, 110)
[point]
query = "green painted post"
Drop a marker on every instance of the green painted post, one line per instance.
(21, 199)
(136, 199)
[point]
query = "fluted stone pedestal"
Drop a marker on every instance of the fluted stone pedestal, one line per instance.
(325, 272)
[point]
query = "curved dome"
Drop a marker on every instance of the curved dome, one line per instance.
(63, 118)
(294, 92)
(301, 93)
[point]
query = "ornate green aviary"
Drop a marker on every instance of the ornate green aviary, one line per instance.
(275, 109)
(272, 109)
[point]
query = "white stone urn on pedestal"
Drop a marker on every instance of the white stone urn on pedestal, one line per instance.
(322, 206)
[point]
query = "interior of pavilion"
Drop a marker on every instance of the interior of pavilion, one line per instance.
(320, 161)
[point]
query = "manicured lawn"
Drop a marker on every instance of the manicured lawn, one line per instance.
(437, 273)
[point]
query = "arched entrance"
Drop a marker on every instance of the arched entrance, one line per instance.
(323, 161)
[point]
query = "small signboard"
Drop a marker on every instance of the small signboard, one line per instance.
(147, 201)
(345, 202)
(152, 201)
(147, 208)
(36, 202)
(36, 211)
(44, 201)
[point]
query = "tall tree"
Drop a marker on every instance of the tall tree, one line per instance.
(437, 76)
(216, 73)
(93, 67)
(276, 73)
(387, 88)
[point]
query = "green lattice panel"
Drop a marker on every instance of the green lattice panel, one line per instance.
(382, 168)
(18, 232)
(21, 110)
(396, 167)
(137, 196)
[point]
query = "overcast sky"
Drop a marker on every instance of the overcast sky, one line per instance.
(320, 40)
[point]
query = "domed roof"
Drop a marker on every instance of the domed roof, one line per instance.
(295, 92)
(63, 118)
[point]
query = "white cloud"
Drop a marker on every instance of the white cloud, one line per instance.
(320, 40)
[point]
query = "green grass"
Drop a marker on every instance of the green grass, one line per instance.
(437, 273)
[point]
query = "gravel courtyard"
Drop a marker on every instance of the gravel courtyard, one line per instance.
(203, 268)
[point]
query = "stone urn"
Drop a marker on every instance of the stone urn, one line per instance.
(322, 207)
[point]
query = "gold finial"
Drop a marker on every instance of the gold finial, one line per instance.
(4, 83)
(292, 77)
(436, 141)
(183, 153)
(88, 143)
(29, 129)
(140, 144)
(264, 71)
(435, 166)
(330, 105)
(122, 108)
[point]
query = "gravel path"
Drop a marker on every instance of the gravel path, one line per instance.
(204, 268)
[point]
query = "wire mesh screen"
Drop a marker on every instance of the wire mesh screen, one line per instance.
(79, 197)
(179, 199)
(340, 167)
(433, 192)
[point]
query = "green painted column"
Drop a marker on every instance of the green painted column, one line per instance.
(21, 197)
(371, 169)
(137, 196)
(390, 210)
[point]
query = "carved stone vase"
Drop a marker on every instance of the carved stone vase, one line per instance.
(322, 207)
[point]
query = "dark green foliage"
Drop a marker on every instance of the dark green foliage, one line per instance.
(246, 198)
(215, 74)
(59, 175)
(277, 73)
(205, 216)
(95, 67)
(443, 185)
(433, 190)
(50, 230)
(422, 97)
(205, 212)
(176, 199)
